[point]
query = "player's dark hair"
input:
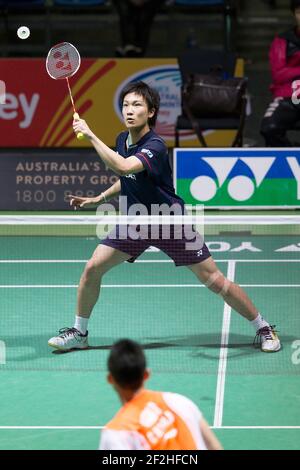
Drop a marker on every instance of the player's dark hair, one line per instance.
(294, 4)
(127, 364)
(150, 95)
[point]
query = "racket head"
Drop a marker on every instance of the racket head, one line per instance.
(63, 61)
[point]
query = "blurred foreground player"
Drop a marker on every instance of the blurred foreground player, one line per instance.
(150, 420)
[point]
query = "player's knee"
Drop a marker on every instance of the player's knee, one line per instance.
(93, 269)
(218, 283)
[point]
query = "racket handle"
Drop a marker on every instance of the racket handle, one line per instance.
(79, 135)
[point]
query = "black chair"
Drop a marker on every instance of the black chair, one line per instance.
(194, 61)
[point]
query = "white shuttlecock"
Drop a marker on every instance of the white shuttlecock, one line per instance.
(23, 32)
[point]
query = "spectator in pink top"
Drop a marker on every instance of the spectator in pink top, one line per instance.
(283, 112)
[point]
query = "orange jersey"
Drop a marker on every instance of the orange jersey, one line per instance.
(155, 421)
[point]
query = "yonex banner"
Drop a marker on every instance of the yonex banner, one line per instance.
(233, 178)
(35, 111)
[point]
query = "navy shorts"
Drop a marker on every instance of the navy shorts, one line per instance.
(183, 250)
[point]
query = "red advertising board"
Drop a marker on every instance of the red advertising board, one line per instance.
(37, 111)
(37, 107)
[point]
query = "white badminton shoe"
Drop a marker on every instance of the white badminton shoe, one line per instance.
(267, 338)
(69, 338)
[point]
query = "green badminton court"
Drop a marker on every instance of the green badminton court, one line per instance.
(194, 343)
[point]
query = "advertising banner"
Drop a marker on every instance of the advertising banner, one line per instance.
(42, 180)
(235, 178)
(36, 110)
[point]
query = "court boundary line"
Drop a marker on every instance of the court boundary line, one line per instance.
(134, 286)
(101, 219)
(102, 427)
(256, 427)
(15, 261)
(220, 391)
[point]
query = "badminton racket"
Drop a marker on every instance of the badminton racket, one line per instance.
(63, 61)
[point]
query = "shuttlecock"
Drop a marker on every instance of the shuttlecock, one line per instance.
(23, 32)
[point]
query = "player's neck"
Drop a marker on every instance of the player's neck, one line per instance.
(127, 395)
(138, 133)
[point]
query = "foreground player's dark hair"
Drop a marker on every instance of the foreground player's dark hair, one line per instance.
(149, 94)
(127, 364)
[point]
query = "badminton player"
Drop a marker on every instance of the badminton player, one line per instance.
(150, 420)
(141, 161)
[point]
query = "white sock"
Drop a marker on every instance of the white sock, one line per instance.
(81, 324)
(259, 322)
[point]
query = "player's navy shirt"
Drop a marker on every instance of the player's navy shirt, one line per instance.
(154, 185)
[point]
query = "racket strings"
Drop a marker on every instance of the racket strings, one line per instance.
(63, 61)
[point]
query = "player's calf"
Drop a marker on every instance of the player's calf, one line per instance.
(218, 283)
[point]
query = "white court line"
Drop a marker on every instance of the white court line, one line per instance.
(36, 286)
(256, 427)
(218, 416)
(262, 260)
(51, 427)
(129, 286)
(102, 219)
(226, 260)
(102, 427)
(13, 261)
(110, 286)
(269, 285)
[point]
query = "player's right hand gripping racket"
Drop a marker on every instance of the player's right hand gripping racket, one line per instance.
(63, 61)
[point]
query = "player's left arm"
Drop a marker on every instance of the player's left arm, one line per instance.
(121, 440)
(210, 439)
(120, 165)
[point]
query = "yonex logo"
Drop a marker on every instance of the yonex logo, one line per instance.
(241, 187)
(150, 154)
(2, 92)
(2, 353)
(131, 175)
(62, 61)
(295, 168)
